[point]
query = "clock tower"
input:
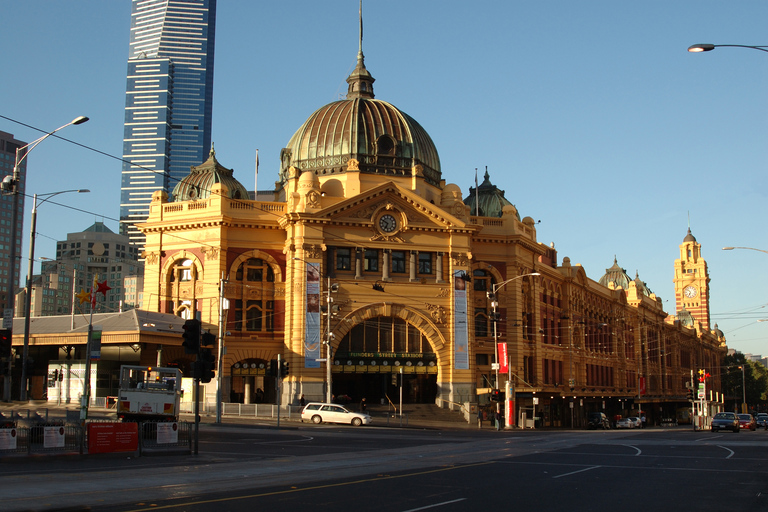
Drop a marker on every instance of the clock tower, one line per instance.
(692, 281)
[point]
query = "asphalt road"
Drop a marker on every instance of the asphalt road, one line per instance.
(340, 468)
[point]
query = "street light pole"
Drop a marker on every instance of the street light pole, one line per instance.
(698, 48)
(494, 303)
(749, 248)
(743, 391)
(28, 297)
(10, 185)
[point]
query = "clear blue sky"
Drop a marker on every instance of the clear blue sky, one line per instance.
(591, 115)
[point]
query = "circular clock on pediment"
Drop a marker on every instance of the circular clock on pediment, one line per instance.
(387, 223)
(690, 291)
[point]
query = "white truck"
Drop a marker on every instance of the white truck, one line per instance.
(149, 393)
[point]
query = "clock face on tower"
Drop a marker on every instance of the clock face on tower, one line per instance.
(387, 223)
(690, 292)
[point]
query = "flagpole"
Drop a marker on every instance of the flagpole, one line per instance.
(256, 178)
(84, 401)
(477, 195)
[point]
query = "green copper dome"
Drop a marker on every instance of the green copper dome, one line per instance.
(197, 184)
(616, 275)
(380, 137)
(487, 200)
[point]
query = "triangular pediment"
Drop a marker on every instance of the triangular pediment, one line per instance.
(362, 208)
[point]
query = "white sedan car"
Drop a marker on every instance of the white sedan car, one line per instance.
(317, 412)
(637, 422)
(625, 423)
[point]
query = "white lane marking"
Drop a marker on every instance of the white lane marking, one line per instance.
(435, 505)
(574, 472)
(639, 451)
(725, 448)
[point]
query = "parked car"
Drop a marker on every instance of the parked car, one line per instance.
(624, 423)
(598, 420)
(638, 423)
(761, 420)
(317, 412)
(747, 421)
(725, 421)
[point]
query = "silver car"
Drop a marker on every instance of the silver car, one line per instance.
(318, 412)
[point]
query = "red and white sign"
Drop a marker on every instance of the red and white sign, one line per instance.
(503, 362)
(53, 437)
(8, 438)
(167, 433)
(113, 437)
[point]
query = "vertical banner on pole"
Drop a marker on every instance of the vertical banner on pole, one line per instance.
(312, 325)
(503, 360)
(461, 342)
(96, 343)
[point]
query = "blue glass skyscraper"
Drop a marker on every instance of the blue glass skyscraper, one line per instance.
(169, 101)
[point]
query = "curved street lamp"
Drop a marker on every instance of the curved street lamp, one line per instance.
(494, 303)
(749, 248)
(698, 48)
(28, 298)
(9, 186)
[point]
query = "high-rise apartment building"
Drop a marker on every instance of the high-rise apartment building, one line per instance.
(8, 146)
(169, 101)
(96, 252)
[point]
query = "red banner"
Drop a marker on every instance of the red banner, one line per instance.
(113, 437)
(642, 385)
(503, 359)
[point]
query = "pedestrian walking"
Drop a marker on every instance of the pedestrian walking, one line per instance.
(302, 402)
(498, 420)
(363, 405)
(479, 418)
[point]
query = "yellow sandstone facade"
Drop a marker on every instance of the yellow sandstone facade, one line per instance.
(368, 252)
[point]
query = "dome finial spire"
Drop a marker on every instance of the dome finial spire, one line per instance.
(360, 44)
(360, 81)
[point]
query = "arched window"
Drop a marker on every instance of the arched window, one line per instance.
(182, 279)
(255, 309)
(255, 270)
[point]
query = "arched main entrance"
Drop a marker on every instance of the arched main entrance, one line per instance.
(378, 355)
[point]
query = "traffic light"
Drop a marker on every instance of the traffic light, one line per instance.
(208, 339)
(206, 365)
(191, 336)
(690, 395)
(272, 368)
(5, 343)
(497, 395)
(284, 369)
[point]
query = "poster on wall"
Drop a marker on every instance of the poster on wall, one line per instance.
(312, 325)
(460, 327)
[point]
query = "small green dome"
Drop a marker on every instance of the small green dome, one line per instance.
(616, 275)
(197, 184)
(487, 200)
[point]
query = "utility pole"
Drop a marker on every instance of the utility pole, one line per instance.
(222, 331)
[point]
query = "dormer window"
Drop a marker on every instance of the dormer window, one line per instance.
(385, 145)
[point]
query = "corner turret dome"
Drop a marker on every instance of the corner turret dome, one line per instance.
(487, 200)
(689, 237)
(376, 135)
(197, 184)
(616, 275)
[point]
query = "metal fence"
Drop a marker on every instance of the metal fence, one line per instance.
(268, 411)
(165, 437)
